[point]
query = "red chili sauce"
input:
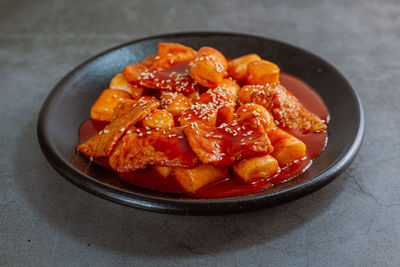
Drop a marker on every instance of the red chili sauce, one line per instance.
(231, 186)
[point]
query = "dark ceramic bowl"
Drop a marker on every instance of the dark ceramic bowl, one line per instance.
(68, 105)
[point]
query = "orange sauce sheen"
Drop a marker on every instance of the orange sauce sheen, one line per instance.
(231, 186)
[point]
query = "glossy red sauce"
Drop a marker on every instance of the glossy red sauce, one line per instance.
(178, 67)
(175, 78)
(307, 96)
(231, 186)
(234, 186)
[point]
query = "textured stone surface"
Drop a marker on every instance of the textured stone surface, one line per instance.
(45, 220)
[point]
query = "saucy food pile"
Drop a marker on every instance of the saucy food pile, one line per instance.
(192, 121)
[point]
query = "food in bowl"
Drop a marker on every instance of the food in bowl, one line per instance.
(195, 122)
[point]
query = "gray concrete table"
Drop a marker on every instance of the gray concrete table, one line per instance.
(45, 220)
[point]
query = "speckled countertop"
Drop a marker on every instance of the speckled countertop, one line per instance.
(45, 220)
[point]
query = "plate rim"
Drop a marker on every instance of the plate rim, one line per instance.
(194, 206)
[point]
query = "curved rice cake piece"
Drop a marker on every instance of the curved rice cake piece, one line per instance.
(201, 175)
(127, 113)
(105, 105)
(262, 72)
(287, 148)
(209, 67)
(257, 168)
(251, 113)
(237, 67)
(224, 99)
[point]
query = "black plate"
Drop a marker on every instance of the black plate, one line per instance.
(68, 105)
